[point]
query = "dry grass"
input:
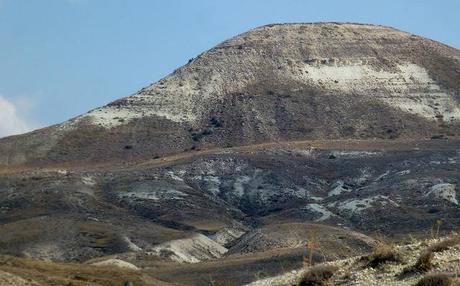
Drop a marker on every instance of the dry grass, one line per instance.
(425, 261)
(311, 246)
(318, 275)
(383, 253)
(54, 274)
(445, 244)
(436, 279)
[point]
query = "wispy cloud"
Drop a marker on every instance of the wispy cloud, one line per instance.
(12, 117)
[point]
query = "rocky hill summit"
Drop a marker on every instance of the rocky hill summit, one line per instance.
(273, 83)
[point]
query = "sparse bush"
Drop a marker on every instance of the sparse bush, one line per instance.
(206, 132)
(197, 136)
(436, 227)
(383, 253)
(437, 137)
(425, 261)
(437, 279)
(311, 245)
(318, 275)
(445, 244)
(166, 253)
(216, 122)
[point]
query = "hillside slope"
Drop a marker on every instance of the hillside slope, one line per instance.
(444, 268)
(276, 82)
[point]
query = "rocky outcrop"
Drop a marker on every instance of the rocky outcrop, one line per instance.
(194, 249)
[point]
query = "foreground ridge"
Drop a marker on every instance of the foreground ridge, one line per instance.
(354, 271)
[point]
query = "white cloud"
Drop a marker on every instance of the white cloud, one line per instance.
(11, 120)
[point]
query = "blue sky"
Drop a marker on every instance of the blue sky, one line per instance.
(61, 58)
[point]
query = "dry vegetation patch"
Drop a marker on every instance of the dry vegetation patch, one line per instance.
(436, 279)
(54, 274)
(383, 253)
(425, 260)
(445, 244)
(318, 275)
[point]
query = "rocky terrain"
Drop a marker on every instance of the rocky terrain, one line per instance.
(402, 264)
(356, 271)
(285, 136)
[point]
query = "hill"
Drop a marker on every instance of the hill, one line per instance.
(283, 136)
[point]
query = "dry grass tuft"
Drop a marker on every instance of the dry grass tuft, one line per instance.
(436, 279)
(318, 275)
(383, 253)
(424, 262)
(445, 244)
